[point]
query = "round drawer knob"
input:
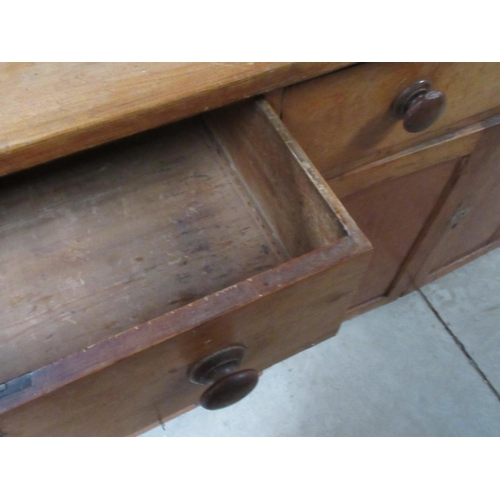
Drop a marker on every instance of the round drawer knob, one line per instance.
(229, 389)
(228, 384)
(419, 106)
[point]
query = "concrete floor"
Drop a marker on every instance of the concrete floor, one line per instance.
(425, 365)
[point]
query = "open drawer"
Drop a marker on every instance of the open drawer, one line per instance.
(122, 267)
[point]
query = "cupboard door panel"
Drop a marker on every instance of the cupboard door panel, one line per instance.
(469, 223)
(392, 214)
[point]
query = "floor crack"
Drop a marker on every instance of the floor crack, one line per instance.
(460, 345)
(160, 419)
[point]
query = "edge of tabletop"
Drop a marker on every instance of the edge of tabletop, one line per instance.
(55, 109)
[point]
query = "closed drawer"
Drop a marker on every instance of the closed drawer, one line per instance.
(344, 119)
(124, 266)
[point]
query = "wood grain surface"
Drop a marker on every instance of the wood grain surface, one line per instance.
(404, 203)
(344, 120)
(118, 236)
(281, 302)
(49, 110)
(392, 215)
(470, 219)
(147, 387)
(448, 147)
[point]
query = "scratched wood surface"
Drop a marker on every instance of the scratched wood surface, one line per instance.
(295, 208)
(151, 385)
(49, 110)
(140, 286)
(113, 238)
(181, 199)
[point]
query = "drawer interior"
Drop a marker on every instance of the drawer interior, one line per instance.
(94, 244)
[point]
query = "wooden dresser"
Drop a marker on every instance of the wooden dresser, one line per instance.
(147, 266)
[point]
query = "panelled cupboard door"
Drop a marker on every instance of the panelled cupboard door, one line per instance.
(469, 223)
(398, 201)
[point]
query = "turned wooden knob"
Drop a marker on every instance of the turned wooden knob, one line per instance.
(229, 389)
(419, 106)
(228, 384)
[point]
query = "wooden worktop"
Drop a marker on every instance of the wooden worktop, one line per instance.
(50, 110)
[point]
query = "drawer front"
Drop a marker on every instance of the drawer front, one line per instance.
(214, 233)
(142, 389)
(344, 119)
